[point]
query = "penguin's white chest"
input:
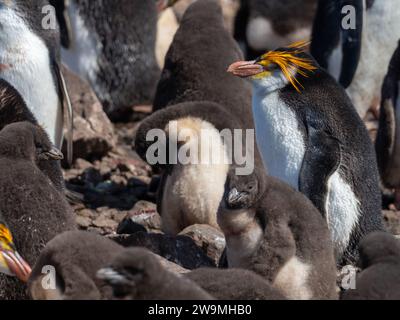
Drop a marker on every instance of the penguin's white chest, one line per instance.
(279, 138)
(26, 66)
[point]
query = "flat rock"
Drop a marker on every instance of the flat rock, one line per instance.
(143, 214)
(210, 239)
(180, 250)
(94, 135)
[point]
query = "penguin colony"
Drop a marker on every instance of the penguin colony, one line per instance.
(312, 202)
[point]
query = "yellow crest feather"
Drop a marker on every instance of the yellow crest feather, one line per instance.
(288, 62)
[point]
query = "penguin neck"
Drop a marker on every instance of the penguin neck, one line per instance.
(27, 66)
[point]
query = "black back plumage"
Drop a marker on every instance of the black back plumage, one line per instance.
(76, 257)
(325, 106)
(128, 70)
(34, 210)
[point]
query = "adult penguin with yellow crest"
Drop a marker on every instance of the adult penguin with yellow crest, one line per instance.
(311, 137)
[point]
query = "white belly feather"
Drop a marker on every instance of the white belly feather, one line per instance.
(282, 147)
(27, 62)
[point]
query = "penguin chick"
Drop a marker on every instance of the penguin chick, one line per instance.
(276, 232)
(13, 109)
(380, 264)
(311, 137)
(196, 93)
(137, 274)
(33, 208)
(234, 284)
(387, 145)
(74, 257)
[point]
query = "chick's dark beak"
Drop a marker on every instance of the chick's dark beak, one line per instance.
(53, 154)
(245, 69)
(234, 196)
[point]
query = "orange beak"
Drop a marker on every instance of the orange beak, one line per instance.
(17, 265)
(245, 69)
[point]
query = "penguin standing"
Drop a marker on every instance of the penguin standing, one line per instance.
(76, 257)
(380, 264)
(33, 208)
(262, 25)
(198, 95)
(387, 143)
(137, 274)
(29, 61)
(357, 54)
(276, 232)
(112, 46)
(311, 137)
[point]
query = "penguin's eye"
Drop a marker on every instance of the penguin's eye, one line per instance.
(272, 67)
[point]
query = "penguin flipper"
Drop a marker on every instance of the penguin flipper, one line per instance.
(326, 31)
(351, 44)
(67, 112)
(321, 160)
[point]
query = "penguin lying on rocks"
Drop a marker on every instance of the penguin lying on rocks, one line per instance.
(311, 137)
(112, 46)
(34, 210)
(137, 274)
(276, 232)
(197, 95)
(75, 257)
(380, 264)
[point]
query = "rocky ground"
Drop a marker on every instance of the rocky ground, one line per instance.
(113, 190)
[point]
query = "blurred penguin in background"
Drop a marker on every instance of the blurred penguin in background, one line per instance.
(112, 46)
(263, 25)
(387, 143)
(354, 40)
(30, 62)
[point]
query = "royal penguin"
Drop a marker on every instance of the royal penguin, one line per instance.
(345, 43)
(13, 109)
(311, 137)
(30, 62)
(262, 25)
(276, 232)
(379, 278)
(31, 205)
(197, 94)
(234, 284)
(388, 137)
(137, 274)
(112, 46)
(75, 257)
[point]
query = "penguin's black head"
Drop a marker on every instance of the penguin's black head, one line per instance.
(164, 4)
(132, 272)
(28, 141)
(241, 192)
(378, 247)
(278, 68)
